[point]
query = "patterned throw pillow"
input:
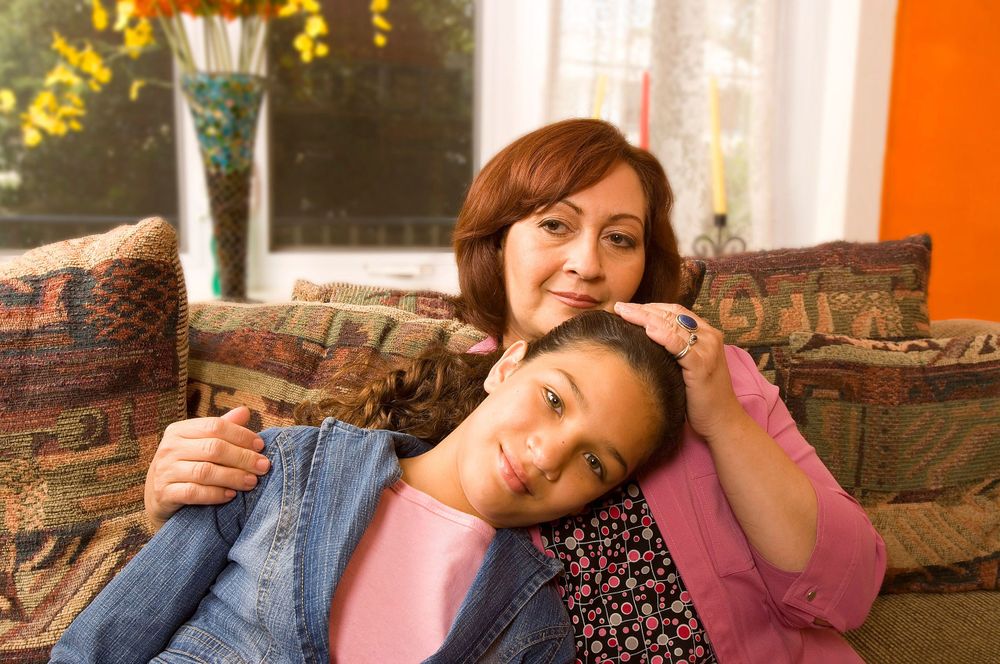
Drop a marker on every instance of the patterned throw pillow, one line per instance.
(424, 303)
(93, 352)
(272, 357)
(912, 430)
(875, 290)
(432, 304)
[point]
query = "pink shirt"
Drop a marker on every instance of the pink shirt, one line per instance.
(406, 580)
(752, 611)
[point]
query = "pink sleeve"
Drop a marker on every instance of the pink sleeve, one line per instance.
(844, 573)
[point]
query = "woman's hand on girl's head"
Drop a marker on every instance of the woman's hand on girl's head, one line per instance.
(711, 402)
(203, 461)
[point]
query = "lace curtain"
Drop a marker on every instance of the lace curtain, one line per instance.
(601, 50)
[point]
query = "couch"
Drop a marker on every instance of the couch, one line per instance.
(100, 351)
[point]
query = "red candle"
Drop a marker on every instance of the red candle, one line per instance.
(644, 113)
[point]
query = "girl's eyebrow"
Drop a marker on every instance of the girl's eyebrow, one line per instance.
(615, 217)
(615, 454)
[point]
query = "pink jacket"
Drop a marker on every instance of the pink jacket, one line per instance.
(753, 611)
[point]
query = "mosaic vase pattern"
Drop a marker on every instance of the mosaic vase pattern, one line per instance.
(225, 108)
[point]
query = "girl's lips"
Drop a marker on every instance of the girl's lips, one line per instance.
(510, 476)
(575, 300)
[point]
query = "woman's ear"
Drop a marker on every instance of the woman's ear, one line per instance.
(505, 366)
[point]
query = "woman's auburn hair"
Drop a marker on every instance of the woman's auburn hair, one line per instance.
(534, 173)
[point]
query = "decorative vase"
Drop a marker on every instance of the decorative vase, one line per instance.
(225, 109)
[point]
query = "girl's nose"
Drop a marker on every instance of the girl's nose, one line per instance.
(548, 455)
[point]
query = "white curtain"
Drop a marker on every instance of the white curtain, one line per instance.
(600, 50)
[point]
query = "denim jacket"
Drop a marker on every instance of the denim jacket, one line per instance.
(252, 580)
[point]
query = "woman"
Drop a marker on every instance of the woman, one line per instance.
(306, 568)
(743, 548)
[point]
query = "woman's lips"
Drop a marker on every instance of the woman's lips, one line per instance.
(510, 476)
(575, 300)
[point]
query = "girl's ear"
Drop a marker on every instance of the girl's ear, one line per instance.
(505, 366)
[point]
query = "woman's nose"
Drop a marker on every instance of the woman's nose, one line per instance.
(548, 455)
(583, 258)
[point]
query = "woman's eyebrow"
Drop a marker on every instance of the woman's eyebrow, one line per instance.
(615, 217)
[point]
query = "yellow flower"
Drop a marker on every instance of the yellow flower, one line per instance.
(60, 74)
(31, 136)
(380, 39)
(311, 6)
(69, 53)
(322, 50)
(315, 26)
(124, 11)
(133, 91)
(381, 23)
(304, 45)
(379, 6)
(138, 38)
(7, 100)
(99, 16)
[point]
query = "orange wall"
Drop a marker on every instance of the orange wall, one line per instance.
(942, 162)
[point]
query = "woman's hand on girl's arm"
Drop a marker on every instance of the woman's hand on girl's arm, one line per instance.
(203, 461)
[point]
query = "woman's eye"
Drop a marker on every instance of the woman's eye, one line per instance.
(555, 403)
(595, 464)
(553, 225)
(621, 240)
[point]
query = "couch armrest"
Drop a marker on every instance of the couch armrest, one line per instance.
(963, 327)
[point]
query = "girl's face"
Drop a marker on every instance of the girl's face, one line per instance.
(585, 252)
(553, 434)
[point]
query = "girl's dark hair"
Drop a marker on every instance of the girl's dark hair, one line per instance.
(534, 173)
(430, 397)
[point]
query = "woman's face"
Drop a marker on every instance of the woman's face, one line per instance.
(585, 252)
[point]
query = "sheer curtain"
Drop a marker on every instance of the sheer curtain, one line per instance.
(601, 50)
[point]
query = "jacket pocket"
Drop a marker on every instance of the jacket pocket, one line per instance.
(191, 644)
(724, 538)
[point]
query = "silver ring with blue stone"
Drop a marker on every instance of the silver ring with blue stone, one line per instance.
(687, 322)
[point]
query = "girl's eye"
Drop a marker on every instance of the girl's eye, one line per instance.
(622, 240)
(595, 464)
(555, 403)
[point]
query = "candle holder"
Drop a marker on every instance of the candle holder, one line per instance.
(724, 243)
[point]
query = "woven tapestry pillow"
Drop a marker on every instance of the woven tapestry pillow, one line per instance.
(93, 351)
(912, 430)
(272, 357)
(432, 304)
(875, 290)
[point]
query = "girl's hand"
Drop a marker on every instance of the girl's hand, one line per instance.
(203, 461)
(711, 402)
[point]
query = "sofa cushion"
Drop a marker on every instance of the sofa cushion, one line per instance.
(270, 358)
(424, 303)
(93, 351)
(930, 627)
(912, 430)
(875, 290)
(432, 304)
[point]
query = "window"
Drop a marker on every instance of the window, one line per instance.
(120, 168)
(372, 147)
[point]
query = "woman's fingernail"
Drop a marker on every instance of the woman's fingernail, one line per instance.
(258, 444)
(249, 481)
(230, 493)
(262, 465)
(623, 306)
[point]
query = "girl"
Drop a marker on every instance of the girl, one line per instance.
(421, 550)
